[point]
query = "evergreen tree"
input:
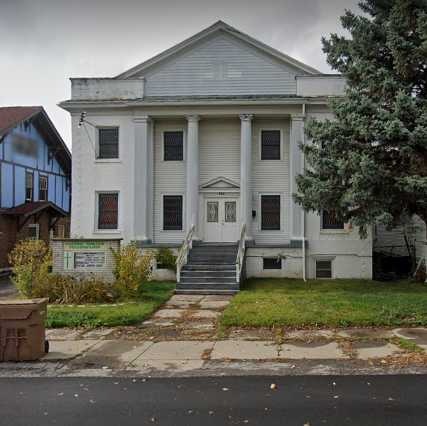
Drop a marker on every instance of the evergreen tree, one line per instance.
(370, 163)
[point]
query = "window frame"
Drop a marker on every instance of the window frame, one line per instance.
(107, 230)
(41, 177)
(280, 211)
(262, 129)
(36, 226)
(184, 148)
(324, 259)
(98, 145)
(277, 259)
(331, 228)
(175, 194)
(29, 173)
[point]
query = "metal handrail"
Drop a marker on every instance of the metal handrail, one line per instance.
(182, 257)
(240, 253)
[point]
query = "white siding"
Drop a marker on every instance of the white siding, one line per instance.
(270, 177)
(221, 65)
(169, 179)
(219, 142)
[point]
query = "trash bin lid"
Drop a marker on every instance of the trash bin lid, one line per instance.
(20, 309)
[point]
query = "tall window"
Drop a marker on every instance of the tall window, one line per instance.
(172, 212)
(108, 142)
(330, 220)
(270, 145)
(43, 185)
(173, 146)
(270, 212)
(108, 210)
(29, 186)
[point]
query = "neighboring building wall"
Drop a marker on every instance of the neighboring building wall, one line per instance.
(270, 177)
(7, 239)
(13, 166)
(221, 65)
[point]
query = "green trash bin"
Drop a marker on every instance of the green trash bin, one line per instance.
(22, 329)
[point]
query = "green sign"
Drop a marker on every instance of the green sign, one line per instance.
(83, 245)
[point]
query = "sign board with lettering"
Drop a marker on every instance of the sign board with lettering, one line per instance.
(85, 255)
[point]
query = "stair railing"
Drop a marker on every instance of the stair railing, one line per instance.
(240, 253)
(182, 257)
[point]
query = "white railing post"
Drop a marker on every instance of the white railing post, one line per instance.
(240, 253)
(182, 257)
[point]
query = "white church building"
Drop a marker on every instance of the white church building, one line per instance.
(197, 150)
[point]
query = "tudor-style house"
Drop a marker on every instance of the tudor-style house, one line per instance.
(199, 147)
(35, 179)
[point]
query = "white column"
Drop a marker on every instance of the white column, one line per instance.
(192, 164)
(296, 168)
(245, 172)
(143, 180)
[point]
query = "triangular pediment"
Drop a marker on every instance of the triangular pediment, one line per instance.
(220, 183)
(219, 28)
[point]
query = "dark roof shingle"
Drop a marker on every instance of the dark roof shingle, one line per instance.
(12, 116)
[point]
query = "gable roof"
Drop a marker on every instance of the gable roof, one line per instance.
(220, 182)
(216, 27)
(10, 117)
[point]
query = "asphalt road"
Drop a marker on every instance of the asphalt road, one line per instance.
(307, 400)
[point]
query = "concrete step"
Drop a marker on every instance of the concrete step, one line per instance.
(215, 273)
(207, 286)
(208, 280)
(215, 291)
(209, 267)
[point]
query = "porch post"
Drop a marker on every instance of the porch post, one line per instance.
(296, 168)
(143, 181)
(192, 165)
(245, 172)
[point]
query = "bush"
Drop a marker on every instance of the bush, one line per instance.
(132, 269)
(30, 261)
(166, 259)
(67, 289)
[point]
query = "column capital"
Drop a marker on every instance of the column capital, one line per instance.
(297, 117)
(246, 117)
(193, 118)
(142, 119)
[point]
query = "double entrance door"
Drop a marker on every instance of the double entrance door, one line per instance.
(222, 219)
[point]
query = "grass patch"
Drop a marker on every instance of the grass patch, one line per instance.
(327, 303)
(152, 296)
(409, 345)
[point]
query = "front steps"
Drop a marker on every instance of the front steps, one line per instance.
(210, 269)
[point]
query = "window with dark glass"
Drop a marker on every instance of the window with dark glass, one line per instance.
(172, 212)
(29, 186)
(271, 263)
(270, 145)
(323, 269)
(330, 220)
(173, 146)
(108, 210)
(43, 185)
(108, 142)
(270, 212)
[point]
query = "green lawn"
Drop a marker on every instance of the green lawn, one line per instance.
(127, 313)
(293, 303)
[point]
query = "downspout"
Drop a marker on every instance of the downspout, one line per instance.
(304, 273)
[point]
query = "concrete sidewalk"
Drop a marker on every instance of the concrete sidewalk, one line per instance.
(182, 339)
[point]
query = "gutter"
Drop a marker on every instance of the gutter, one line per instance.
(304, 260)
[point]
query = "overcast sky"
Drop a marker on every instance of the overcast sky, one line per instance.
(44, 42)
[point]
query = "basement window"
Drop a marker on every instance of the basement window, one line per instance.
(271, 263)
(323, 268)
